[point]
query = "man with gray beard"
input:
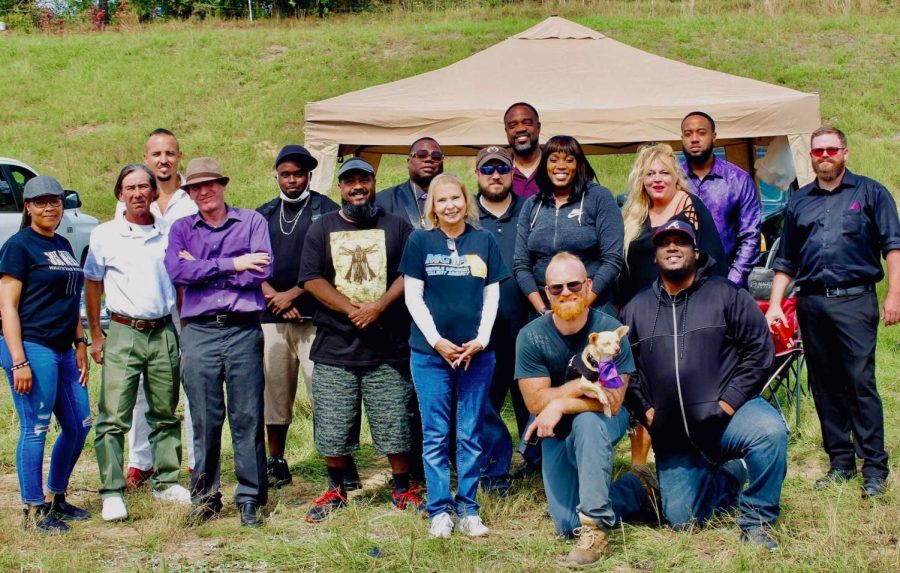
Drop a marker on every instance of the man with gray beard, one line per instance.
(523, 130)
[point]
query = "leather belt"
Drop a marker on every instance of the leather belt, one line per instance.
(227, 318)
(833, 292)
(140, 324)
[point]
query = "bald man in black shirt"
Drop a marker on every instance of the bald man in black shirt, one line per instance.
(836, 230)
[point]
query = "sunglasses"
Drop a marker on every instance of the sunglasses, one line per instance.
(424, 154)
(822, 151)
(454, 254)
(502, 169)
(574, 286)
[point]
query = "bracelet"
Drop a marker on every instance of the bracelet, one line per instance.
(20, 365)
(82, 340)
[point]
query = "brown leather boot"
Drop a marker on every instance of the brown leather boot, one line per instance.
(592, 543)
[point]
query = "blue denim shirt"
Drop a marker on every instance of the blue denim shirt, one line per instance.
(731, 196)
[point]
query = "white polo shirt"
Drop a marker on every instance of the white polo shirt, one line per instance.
(128, 258)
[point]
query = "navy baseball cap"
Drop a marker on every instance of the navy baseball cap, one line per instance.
(355, 164)
(675, 226)
(299, 155)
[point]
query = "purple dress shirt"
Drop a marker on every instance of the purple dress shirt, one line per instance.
(211, 285)
(523, 185)
(731, 197)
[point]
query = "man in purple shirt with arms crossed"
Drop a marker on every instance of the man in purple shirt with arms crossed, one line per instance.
(727, 191)
(220, 258)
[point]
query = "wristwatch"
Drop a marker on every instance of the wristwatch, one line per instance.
(82, 340)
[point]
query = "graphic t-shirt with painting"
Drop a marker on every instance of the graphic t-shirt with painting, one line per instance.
(51, 287)
(455, 272)
(361, 261)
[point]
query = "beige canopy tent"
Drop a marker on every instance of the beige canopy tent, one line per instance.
(608, 95)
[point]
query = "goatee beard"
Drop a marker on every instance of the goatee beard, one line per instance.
(524, 147)
(361, 213)
(700, 158)
(676, 275)
(569, 309)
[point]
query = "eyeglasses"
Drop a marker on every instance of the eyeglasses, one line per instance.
(574, 286)
(424, 154)
(822, 151)
(501, 168)
(454, 254)
(44, 202)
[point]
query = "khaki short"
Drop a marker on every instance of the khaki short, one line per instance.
(285, 352)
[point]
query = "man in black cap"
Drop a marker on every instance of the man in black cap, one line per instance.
(288, 331)
(407, 200)
(703, 353)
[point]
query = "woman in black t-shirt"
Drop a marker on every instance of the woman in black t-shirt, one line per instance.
(452, 289)
(40, 292)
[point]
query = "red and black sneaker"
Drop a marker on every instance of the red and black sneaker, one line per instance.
(136, 477)
(409, 499)
(333, 499)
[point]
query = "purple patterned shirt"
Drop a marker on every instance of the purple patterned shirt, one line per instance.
(731, 197)
(211, 285)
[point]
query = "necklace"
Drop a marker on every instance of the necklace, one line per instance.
(292, 222)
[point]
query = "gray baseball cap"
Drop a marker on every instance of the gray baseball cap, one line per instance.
(42, 185)
(356, 164)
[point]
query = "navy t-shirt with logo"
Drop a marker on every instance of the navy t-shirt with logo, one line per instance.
(454, 282)
(51, 286)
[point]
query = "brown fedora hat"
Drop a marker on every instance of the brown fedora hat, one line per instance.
(201, 170)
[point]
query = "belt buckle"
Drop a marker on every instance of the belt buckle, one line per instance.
(141, 325)
(221, 319)
(834, 292)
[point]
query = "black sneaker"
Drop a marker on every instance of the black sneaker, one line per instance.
(761, 537)
(333, 499)
(834, 477)
(42, 520)
(66, 511)
(202, 512)
(874, 487)
(278, 472)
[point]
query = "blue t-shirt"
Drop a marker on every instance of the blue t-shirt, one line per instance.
(51, 287)
(454, 281)
(542, 351)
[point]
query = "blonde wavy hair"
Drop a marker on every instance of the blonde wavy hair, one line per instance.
(637, 206)
(431, 220)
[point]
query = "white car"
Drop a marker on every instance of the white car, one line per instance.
(76, 226)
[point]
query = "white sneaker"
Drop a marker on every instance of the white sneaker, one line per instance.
(441, 526)
(114, 508)
(472, 526)
(175, 494)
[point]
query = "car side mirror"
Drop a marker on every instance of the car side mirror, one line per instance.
(72, 200)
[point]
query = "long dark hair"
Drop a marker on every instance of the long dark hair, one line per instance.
(26, 217)
(584, 173)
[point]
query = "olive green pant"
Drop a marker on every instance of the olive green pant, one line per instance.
(128, 354)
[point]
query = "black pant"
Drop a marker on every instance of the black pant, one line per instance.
(211, 355)
(839, 337)
(504, 381)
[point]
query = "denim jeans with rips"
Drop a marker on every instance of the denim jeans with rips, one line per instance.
(55, 390)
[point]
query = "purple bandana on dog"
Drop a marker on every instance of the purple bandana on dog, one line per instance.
(609, 375)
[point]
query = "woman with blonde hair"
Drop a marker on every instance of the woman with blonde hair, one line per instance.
(452, 289)
(658, 193)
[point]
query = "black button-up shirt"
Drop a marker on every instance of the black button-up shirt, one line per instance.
(513, 309)
(837, 238)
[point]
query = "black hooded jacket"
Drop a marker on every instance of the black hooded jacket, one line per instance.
(709, 342)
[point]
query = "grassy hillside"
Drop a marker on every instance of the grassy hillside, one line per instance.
(79, 106)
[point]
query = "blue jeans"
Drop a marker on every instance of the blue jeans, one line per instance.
(54, 390)
(577, 472)
(693, 490)
(436, 383)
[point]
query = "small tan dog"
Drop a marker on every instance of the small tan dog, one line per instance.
(595, 366)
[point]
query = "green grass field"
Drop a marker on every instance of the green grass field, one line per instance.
(79, 106)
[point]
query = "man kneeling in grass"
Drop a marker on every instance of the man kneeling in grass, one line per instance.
(703, 353)
(578, 439)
